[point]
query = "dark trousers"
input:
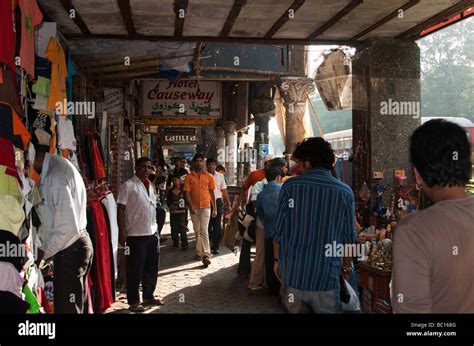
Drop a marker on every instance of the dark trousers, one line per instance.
(71, 267)
(160, 217)
(179, 228)
(272, 282)
(215, 226)
(244, 260)
(142, 266)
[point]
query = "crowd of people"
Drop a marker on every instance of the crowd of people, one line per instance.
(290, 214)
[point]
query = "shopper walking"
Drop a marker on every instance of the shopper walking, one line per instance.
(222, 203)
(314, 209)
(139, 230)
(199, 194)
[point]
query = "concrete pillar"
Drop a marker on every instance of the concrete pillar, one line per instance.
(262, 134)
(294, 91)
(387, 84)
(262, 107)
(220, 144)
(231, 151)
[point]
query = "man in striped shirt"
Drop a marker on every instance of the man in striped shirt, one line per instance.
(314, 209)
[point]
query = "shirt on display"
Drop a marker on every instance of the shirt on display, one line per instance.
(66, 138)
(55, 54)
(39, 120)
(42, 67)
(140, 211)
(12, 127)
(13, 220)
(9, 90)
(7, 158)
(30, 17)
(7, 33)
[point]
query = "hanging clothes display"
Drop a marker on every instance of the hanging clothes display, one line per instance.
(66, 138)
(55, 54)
(7, 34)
(30, 17)
(111, 207)
(102, 282)
(9, 90)
(12, 127)
(93, 157)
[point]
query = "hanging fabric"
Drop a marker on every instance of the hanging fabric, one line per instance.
(101, 258)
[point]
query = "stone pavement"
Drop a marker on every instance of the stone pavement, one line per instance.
(185, 286)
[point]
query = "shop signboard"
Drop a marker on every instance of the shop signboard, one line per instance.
(185, 99)
(113, 100)
(176, 121)
(180, 135)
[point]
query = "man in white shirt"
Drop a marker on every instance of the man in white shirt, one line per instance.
(63, 234)
(139, 230)
(215, 224)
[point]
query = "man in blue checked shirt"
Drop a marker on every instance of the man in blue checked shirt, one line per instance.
(314, 209)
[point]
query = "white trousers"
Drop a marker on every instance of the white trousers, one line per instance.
(200, 225)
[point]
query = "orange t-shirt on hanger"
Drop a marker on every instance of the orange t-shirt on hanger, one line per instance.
(30, 17)
(55, 54)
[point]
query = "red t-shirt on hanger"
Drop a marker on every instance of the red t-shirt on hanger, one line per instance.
(30, 17)
(7, 33)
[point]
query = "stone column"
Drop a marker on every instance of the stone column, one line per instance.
(231, 151)
(293, 92)
(220, 144)
(386, 90)
(262, 107)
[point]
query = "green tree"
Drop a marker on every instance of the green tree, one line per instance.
(447, 71)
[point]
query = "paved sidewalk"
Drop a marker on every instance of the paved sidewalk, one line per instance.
(185, 286)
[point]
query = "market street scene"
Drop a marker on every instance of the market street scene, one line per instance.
(236, 157)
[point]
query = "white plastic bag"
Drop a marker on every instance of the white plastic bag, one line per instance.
(354, 303)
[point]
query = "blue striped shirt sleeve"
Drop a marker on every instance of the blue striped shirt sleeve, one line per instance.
(350, 234)
(283, 200)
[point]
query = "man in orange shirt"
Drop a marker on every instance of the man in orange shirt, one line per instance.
(199, 195)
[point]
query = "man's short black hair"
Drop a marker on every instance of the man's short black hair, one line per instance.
(211, 160)
(142, 160)
(220, 168)
(278, 162)
(198, 156)
(441, 153)
(272, 172)
(315, 150)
